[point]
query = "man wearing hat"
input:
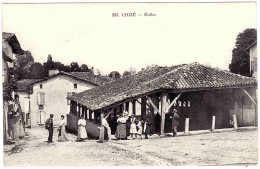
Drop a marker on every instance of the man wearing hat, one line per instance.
(49, 126)
(175, 122)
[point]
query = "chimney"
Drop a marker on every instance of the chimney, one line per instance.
(53, 72)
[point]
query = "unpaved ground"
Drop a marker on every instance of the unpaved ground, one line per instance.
(227, 148)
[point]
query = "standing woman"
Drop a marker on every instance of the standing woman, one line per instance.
(127, 123)
(62, 132)
(133, 130)
(82, 133)
(121, 128)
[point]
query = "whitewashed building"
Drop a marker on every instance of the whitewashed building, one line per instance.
(253, 59)
(40, 98)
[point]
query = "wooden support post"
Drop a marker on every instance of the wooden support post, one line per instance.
(90, 115)
(134, 107)
(143, 107)
(235, 121)
(121, 107)
(102, 129)
(163, 110)
(187, 125)
(127, 107)
(213, 123)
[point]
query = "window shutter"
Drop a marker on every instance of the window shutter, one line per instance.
(68, 101)
(41, 98)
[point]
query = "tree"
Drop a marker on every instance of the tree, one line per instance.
(50, 63)
(22, 64)
(115, 75)
(37, 71)
(84, 68)
(149, 67)
(131, 71)
(74, 67)
(126, 73)
(240, 62)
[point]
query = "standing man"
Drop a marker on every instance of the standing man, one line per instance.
(175, 122)
(49, 126)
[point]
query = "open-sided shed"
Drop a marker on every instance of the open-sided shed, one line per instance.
(198, 92)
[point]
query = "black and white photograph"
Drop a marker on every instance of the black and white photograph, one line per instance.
(133, 84)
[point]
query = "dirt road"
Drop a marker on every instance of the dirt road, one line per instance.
(226, 148)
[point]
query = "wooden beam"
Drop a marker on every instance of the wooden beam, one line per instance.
(187, 125)
(206, 89)
(213, 123)
(134, 106)
(153, 105)
(143, 107)
(249, 96)
(127, 107)
(163, 110)
(102, 129)
(174, 101)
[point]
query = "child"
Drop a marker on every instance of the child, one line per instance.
(133, 130)
(139, 127)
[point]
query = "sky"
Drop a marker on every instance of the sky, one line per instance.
(87, 33)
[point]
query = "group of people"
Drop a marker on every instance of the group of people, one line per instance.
(133, 126)
(16, 122)
(62, 135)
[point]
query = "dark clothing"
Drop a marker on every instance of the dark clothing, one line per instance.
(50, 135)
(147, 128)
(121, 131)
(127, 124)
(175, 119)
(174, 130)
(49, 126)
(175, 123)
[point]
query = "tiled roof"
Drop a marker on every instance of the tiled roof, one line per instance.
(13, 42)
(189, 77)
(89, 77)
(22, 85)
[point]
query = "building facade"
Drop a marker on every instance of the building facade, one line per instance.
(253, 59)
(43, 97)
(10, 47)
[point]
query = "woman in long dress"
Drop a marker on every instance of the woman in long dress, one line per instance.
(82, 133)
(121, 128)
(62, 132)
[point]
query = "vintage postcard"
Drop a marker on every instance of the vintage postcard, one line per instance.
(129, 84)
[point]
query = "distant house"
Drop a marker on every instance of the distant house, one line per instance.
(197, 91)
(252, 49)
(10, 47)
(40, 98)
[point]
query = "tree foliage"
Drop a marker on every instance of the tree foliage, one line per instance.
(22, 64)
(26, 68)
(114, 74)
(240, 63)
(131, 71)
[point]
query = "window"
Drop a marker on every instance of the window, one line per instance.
(40, 86)
(75, 86)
